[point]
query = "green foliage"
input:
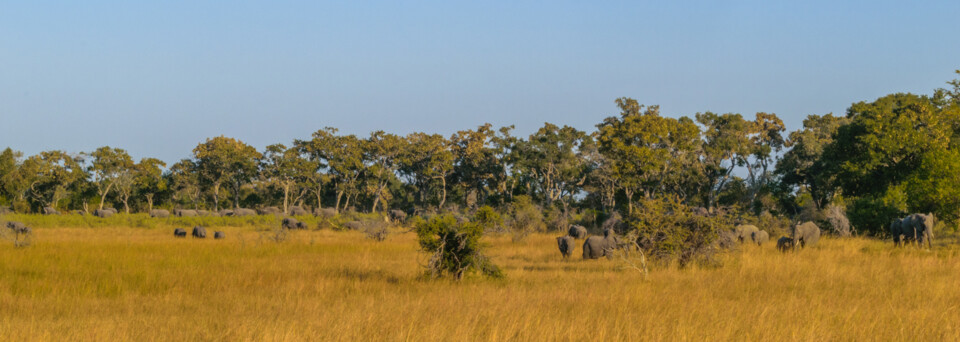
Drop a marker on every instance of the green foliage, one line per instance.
(525, 217)
(454, 248)
(487, 218)
(668, 231)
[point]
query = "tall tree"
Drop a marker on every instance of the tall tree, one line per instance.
(285, 169)
(222, 160)
(801, 165)
(383, 151)
(149, 179)
(185, 181)
(726, 146)
(108, 166)
(427, 162)
(553, 160)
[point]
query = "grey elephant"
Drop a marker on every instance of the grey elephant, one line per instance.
(219, 235)
(595, 247)
(269, 211)
(353, 225)
(398, 216)
(102, 213)
(745, 231)
(186, 212)
(565, 243)
(18, 227)
(159, 213)
(577, 232)
(292, 223)
(180, 233)
(225, 212)
(298, 211)
(760, 237)
(806, 234)
(199, 232)
(204, 213)
(244, 212)
(784, 244)
(50, 211)
(915, 227)
(112, 210)
(325, 212)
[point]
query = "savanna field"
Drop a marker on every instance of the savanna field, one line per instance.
(138, 282)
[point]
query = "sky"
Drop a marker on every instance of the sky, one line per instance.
(157, 78)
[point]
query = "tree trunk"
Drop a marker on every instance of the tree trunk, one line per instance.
(149, 202)
(337, 206)
(216, 197)
(443, 192)
(286, 196)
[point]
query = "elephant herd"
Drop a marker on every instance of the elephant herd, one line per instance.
(198, 232)
(594, 247)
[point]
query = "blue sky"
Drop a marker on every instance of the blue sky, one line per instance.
(158, 78)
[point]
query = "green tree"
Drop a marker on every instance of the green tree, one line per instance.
(801, 166)
(427, 162)
(475, 162)
(223, 160)
(48, 176)
(284, 168)
(726, 147)
(9, 161)
(382, 151)
(109, 165)
(185, 181)
(552, 158)
(149, 179)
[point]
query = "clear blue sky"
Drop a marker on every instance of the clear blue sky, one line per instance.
(156, 79)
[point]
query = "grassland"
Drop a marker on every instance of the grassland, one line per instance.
(139, 283)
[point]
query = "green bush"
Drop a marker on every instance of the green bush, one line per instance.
(668, 231)
(454, 248)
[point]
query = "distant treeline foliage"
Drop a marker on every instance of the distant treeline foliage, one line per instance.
(883, 159)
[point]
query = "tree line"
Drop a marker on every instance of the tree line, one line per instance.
(884, 158)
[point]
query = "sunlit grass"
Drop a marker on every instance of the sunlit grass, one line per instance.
(122, 283)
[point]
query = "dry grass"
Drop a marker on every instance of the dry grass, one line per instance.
(119, 283)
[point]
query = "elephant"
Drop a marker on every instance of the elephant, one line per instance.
(298, 211)
(204, 213)
(784, 244)
(325, 212)
(218, 235)
(180, 233)
(806, 234)
(565, 243)
(159, 213)
(244, 212)
(700, 211)
(914, 227)
(577, 232)
(225, 212)
(398, 216)
(759, 237)
(199, 232)
(745, 231)
(353, 225)
(185, 212)
(18, 227)
(269, 211)
(292, 223)
(50, 211)
(112, 210)
(102, 213)
(595, 247)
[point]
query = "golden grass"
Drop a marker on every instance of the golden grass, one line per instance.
(120, 283)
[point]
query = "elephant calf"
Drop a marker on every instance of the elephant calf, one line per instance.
(398, 216)
(760, 237)
(103, 213)
(784, 244)
(292, 223)
(180, 233)
(353, 225)
(565, 243)
(218, 235)
(298, 211)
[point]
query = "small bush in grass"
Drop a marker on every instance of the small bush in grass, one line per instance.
(668, 231)
(376, 230)
(454, 248)
(488, 219)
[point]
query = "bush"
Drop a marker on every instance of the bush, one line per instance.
(454, 248)
(488, 219)
(836, 219)
(526, 218)
(668, 231)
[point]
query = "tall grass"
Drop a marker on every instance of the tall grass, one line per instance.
(117, 283)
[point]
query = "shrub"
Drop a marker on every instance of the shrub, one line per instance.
(454, 248)
(488, 219)
(667, 231)
(836, 219)
(526, 218)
